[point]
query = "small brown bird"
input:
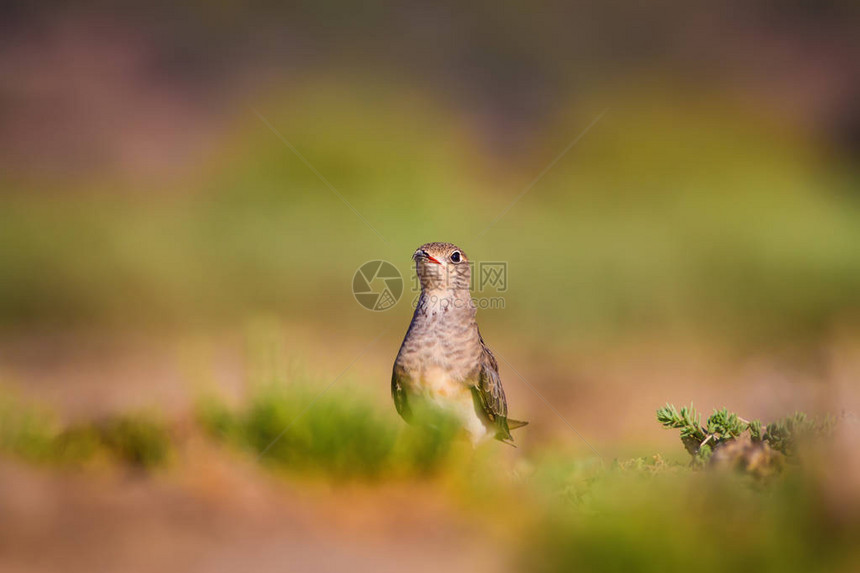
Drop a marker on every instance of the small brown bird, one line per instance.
(443, 362)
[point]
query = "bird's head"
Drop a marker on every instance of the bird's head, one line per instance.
(442, 266)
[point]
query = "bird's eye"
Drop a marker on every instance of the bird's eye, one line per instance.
(455, 256)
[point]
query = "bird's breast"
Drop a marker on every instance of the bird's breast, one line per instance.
(435, 388)
(433, 346)
(437, 383)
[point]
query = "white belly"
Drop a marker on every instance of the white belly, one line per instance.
(436, 387)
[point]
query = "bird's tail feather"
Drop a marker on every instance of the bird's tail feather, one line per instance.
(514, 424)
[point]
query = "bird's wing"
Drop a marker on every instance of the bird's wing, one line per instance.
(491, 395)
(398, 393)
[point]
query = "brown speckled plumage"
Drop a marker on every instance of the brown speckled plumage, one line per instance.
(443, 359)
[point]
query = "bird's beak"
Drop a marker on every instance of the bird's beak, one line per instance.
(423, 254)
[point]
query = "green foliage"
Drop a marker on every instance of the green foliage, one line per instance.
(675, 520)
(566, 513)
(646, 514)
(723, 427)
(79, 444)
(136, 439)
(725, 424)
(336, 435)
(784, 435)
(646, 466)
(563, 478)
(756, 431)
(26, 431)
(132, 439)
(688, 421)
(33, 434)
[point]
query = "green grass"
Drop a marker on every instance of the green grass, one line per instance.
(565, 513)
(32, 433)
(26, 431)
(678, 519)
(337, 435)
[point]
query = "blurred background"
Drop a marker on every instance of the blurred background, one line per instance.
(187, 190)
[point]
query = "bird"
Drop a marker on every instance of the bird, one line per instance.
(443, 364)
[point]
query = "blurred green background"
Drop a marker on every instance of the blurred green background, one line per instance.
(139, 184)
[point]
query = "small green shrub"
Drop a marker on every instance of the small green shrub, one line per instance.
(724, 427)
